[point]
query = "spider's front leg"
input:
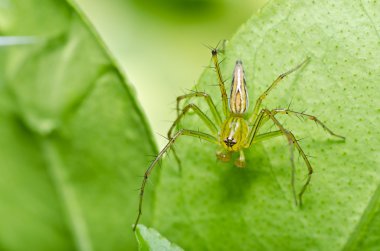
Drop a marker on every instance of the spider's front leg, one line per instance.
(198, 112)
(256, 109)
(311, 117)
(254, 137)
(171, 142)
(207, 97)
(292, 143)
(222, 88)
(209, 102)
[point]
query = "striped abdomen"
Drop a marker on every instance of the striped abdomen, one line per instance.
(239, 95)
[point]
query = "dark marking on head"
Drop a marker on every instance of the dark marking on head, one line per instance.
(229, 142)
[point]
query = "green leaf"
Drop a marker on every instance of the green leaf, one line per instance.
(74, 141)
(210, 205)
(150, 239)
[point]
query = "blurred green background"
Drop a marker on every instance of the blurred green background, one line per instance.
(159, 44)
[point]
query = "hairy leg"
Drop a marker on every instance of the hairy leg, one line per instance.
(270, 88)
(311, 117)
(264, 115)
(197, 111)
(148, 172)
(209, 101)
(222, 88)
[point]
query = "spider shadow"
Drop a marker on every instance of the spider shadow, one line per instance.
(237, 184)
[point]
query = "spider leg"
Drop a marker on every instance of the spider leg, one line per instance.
(148, 172)
(270, 88)
(293, 143)
(254, 138)
(209, 101)
(265, 136)
(220, 82)
(261, 119)
(201, 114)
(197, 111)
(311, 117)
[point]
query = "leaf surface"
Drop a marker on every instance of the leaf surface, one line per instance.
(150, 240)
(210, 205)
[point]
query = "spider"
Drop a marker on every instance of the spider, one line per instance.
(237, 131)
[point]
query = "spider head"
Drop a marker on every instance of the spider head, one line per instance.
(233, 135)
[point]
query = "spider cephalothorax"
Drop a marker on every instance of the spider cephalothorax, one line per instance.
(237, 130)
(233, 133)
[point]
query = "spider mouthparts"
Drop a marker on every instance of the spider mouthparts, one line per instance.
(225, 157)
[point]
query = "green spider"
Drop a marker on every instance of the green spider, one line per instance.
(236, 131)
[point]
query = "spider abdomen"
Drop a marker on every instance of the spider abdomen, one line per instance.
(234, 133)
(238, 95)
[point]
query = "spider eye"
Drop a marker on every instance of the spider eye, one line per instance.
(230, 142)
